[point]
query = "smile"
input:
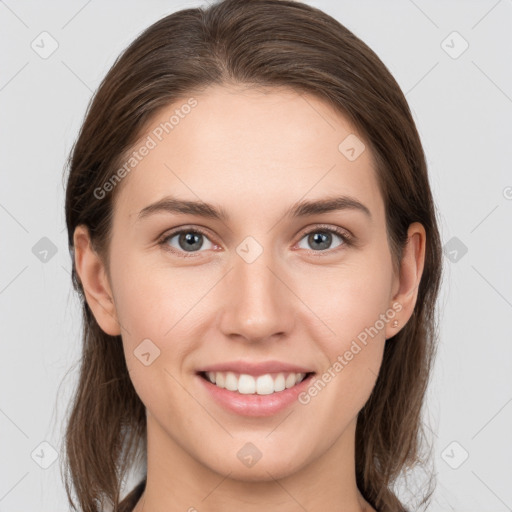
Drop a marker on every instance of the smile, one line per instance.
(265, 384)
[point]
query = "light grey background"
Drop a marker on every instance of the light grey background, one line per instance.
(462, 105)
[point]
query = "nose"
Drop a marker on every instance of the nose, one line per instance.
(257, 302)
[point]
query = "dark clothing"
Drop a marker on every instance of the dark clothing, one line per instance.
(128, 504)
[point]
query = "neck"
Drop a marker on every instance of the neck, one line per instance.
(177, 479)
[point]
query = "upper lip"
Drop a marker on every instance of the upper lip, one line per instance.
(255, 368)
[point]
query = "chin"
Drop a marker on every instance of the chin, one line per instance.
(265, 469)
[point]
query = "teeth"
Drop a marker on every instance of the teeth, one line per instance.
(261, 385)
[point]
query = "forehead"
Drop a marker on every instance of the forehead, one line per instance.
(249, 148)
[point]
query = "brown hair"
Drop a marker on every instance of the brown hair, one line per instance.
(257, 43)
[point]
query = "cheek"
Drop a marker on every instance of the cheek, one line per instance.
(353, 301)
(349, 299)
(154, 307)
(152, 300)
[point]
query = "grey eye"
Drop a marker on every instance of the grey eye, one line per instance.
(188, 240)
(320, 239)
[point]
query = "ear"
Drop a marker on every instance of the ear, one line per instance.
(406, 285)
(93, 276)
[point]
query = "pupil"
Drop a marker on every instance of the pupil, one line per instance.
(322, 238)
(189, 239)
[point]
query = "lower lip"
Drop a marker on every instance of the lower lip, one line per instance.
(254, 404)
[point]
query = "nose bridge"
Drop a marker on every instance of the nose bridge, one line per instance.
(257, 302)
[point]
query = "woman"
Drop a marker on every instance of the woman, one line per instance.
(255, 242)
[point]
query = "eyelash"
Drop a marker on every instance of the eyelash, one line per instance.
(343, 234)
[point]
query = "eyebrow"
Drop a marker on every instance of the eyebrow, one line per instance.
(171, 204)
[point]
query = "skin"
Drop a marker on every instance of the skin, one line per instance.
(255, 153)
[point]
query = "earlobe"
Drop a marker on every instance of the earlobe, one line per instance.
(411, 270)
(93, 276)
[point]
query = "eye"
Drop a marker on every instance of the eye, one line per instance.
(187, 241)
(321, 238)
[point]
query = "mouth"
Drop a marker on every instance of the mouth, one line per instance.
(264, 384)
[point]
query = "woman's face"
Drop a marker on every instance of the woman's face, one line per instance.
(263, 281)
